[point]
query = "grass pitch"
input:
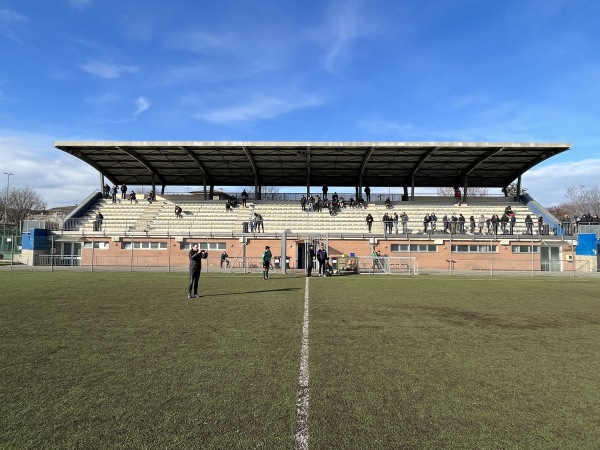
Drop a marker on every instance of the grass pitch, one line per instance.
(125, 360)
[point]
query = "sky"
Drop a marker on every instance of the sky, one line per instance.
(285, 70)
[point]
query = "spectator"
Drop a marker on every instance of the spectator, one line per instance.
(540, 225)
(426, 220)
(432, 221)
(178, 212)
(196, 258)
(504, 222)
(369, 220)
(472, 224)
(224, 260)
(113, 193)
(461, 224)
(495, 221)
(528, 225)
(106, 191)
(322, 258)
(259, 223)
(395, 222)
(303, 202)
(388, 203)
(123, 191)
(453, 223)
(310, 256)
(513, 221)
(132, 197)
(99, 219)
(446, 221)
(384, 220)
(457, 196)
(325, 189)
(244, 198)
(360, 202)
(151, 197)
(368, 193)
(404, 219)
(311, 203)
(481, 223)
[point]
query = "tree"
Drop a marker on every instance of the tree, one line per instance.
(582, 200)
(21, 202)
(471, 192)
(511, 190)
(267, 193)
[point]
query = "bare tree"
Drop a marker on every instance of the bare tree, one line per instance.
(21, 202)
(267, 193)
(471, 192)
(582, 200)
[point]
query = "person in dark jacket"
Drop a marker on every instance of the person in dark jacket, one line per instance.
(196, 257)
(322, 258)
(310, 256)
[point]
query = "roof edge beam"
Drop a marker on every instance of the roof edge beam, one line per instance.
(145, 162)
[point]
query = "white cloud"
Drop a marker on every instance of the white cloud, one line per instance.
(142, 104)
(107, 70)
(347, 24)
(9, 16)
(256, 109)
(59, 178)
(549, 183)
(80, 4)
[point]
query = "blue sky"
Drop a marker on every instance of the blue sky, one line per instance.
(327, 70)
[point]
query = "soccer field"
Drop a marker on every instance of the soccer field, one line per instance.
(125, 360)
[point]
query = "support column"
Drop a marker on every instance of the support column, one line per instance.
(465, 198)
(518, 195)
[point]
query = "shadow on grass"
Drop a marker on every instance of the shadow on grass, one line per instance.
(262, 291)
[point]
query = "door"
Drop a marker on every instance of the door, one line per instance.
(550, 259)
(301, 253)
(71, 254)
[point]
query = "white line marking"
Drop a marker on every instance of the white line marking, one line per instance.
(301, 437)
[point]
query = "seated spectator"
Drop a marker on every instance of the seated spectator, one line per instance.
(351, 202)
(224, 260)
(388, 203)
(151, 197)
(360, 202)
(178, 211)
(227, 205)
(342, 203)
(132, 197)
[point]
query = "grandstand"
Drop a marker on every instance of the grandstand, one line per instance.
(156, 237)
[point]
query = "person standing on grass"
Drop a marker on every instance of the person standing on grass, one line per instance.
(196, 257)
(266, 261)
(310, 255)
(322, 258)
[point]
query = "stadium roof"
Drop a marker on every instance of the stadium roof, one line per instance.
(395, 164)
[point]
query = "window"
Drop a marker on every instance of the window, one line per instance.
(525, 249)
(98, 245)
(205, 246)
(474, 248)
(145, 245)
(414, 248)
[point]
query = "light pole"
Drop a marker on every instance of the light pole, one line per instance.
(8, 174)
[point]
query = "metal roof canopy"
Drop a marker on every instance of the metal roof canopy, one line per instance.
(383, 164)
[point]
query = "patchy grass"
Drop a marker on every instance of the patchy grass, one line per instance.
(125, 360)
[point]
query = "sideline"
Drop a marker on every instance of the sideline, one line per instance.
(301, 436)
